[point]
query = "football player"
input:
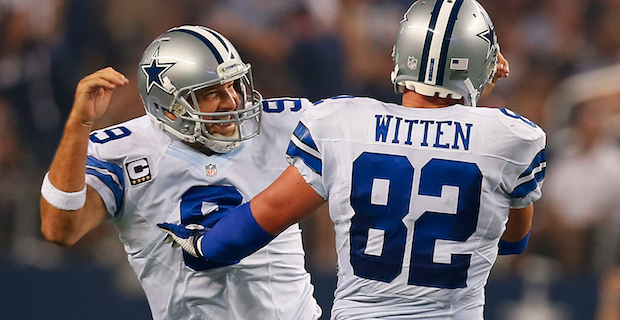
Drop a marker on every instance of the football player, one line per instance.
(196, 154)
(423, 195)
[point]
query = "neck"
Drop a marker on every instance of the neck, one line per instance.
(412, 99)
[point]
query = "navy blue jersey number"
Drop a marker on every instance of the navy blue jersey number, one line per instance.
(109, 135)
(206, 205)
(278, 105)
(385, 217)
(367, 168)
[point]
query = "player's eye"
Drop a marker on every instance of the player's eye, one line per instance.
(209, 95)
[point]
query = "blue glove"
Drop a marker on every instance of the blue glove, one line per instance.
(185, 236)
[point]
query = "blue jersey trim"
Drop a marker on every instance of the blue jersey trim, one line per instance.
(539, 159)
(311, 161)
(344, 96)
(303, 134)
(108, 179)
(523, 189)
(526, 187)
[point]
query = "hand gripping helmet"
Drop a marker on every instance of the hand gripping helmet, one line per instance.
(445, 47)
(186, 59)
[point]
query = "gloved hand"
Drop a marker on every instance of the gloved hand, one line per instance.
(185, 236)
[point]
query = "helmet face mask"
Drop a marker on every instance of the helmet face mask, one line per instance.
(446, 48)
(181, 62)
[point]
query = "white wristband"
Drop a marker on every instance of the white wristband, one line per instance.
(62, 200)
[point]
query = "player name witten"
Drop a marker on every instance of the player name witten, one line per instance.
(445, 134)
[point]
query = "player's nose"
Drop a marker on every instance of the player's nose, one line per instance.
(230, 100)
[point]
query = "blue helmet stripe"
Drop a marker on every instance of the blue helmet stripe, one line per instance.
(427, 43)
(214, 50)
(217, 35)
(443, 58)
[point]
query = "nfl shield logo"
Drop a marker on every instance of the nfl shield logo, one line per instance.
(211, 169)
(412, 62)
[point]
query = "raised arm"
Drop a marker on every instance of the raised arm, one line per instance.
(68, 209)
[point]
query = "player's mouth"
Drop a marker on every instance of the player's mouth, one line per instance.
(224, 124)
(224, 128)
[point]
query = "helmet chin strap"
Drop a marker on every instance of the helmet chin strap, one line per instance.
(219, 146)
(473, 93)
(213, 145)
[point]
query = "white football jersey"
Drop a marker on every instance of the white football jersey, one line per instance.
(146, 177)
(419, 199)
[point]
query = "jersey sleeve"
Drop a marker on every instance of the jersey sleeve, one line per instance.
(525, 172)
(528, 185)
(108, 179)
(303, 153)
(105, 172)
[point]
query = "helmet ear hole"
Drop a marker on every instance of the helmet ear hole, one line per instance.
(169, 115)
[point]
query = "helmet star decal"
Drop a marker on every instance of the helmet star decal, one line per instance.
(488, 35)
(154, 71)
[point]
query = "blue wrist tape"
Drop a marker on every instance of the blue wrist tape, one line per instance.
(506, 248)
(234, 237)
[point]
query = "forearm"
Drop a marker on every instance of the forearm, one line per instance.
(250, 226)
(67, 171)
(234, 237)
(519, 224)
(288, 200)
(517, 234)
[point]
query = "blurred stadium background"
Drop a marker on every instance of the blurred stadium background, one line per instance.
(565, 76)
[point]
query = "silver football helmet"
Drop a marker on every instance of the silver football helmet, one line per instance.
(445, 47)
(186, 59)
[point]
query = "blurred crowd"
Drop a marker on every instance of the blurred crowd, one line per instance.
(562, 56)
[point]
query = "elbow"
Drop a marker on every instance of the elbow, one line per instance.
(55, 229)
(56, 236)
